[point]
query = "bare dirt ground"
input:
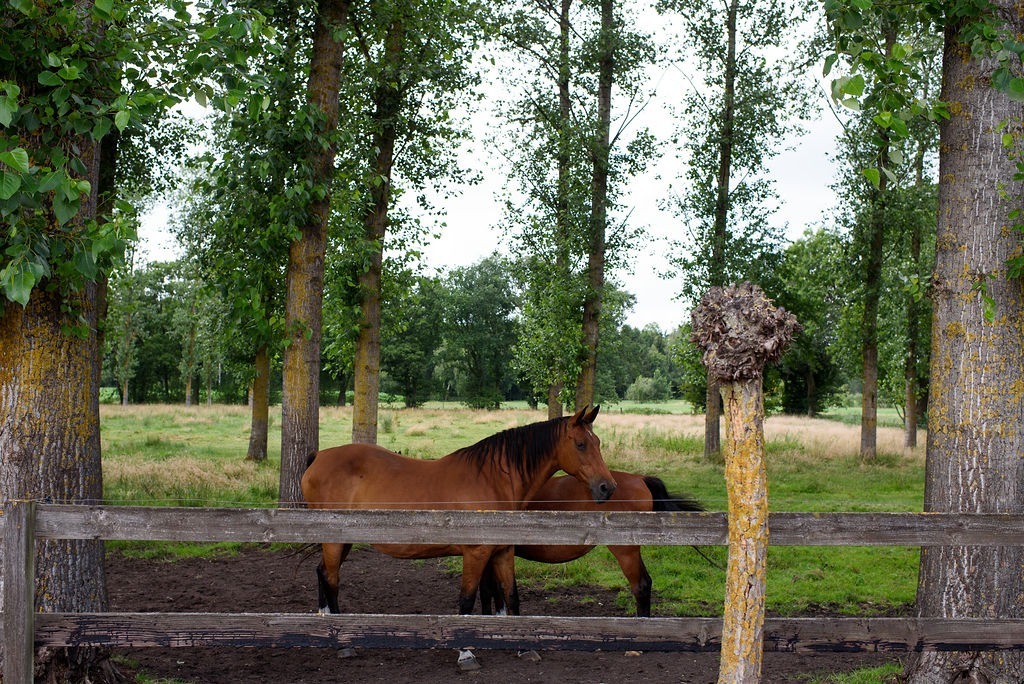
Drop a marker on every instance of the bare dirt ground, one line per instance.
(260, 580)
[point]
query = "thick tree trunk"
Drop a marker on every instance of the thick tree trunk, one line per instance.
(388, 104)
(50, 444)
(600, 150)
(976, 406)
(259, 426)
(300, 398)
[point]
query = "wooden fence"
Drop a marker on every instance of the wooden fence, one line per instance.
(23, 629)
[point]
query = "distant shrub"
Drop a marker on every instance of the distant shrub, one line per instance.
(649, 389)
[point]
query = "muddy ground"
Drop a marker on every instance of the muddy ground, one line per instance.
(265, 581)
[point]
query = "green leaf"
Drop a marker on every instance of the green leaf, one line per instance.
(7, 110)
(17, 159)
(103, 8)
(18, 282)
(1015, 89)
(63, 208)
(854, 85)
(872, 175)
(26, 7)
(121, 119)
(10, 183)
(48, 78)
(51, 181)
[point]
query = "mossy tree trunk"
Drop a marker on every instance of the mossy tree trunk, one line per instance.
(976, 397)
(747, 483)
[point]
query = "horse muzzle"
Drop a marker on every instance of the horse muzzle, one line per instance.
(602, 490)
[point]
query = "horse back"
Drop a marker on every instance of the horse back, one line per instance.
(369, 476)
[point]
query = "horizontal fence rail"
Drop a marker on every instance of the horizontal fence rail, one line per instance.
(518, 527)
(23, 629)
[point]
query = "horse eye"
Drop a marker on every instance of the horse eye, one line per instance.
(581, 445)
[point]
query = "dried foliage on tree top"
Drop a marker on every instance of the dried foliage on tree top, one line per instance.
(740, 330)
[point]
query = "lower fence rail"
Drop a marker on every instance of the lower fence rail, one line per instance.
(275, 630)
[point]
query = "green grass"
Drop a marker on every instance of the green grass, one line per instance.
(850, 415)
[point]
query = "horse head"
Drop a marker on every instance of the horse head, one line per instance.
(579, 455)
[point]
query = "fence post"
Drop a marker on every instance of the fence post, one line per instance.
(740, 330)
(19, 591)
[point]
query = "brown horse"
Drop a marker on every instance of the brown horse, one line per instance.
(634, 493)
(501, 472)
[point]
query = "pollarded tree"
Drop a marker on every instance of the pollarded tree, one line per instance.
(734, 124)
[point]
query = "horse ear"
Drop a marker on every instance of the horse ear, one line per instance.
(592, 415)
(580, 416)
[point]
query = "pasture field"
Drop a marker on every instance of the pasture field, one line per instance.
(171, 455)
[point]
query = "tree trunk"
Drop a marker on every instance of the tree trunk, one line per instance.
(873, 292)
(975, 436)
(388, 103)
(746, 478)
(911, 410)
(50, 447)
(259, 426)
(600, 150)
(300, 397)
(554, 402)
(720, 230)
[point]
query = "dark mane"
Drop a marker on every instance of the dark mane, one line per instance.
(521, 449)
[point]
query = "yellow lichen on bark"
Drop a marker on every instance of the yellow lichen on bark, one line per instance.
(747, 487)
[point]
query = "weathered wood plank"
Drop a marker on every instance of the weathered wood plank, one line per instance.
(18, 564)
(551, 527)
(562, 633)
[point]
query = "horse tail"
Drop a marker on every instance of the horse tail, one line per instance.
(309, 461)
(663, 501)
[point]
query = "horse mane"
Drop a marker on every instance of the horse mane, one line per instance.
(521, 449)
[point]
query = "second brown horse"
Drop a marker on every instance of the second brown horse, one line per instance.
(634, 493)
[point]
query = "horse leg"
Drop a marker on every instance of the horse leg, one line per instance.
(474, 566)
(328, 574)
(489, 599)
(632, 565)
(503, 571)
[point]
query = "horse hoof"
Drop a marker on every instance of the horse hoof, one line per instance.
(468, 661)
(347, 652)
